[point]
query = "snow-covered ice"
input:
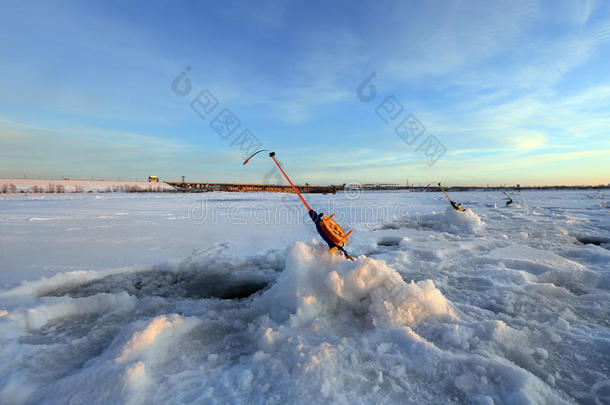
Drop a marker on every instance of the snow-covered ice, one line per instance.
(231, 298)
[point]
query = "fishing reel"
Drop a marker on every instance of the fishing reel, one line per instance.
(333, 230)
(456, 206)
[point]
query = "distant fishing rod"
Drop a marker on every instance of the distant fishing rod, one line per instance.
(329, 230)
(456, 206)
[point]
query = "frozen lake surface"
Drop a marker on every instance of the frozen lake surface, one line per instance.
(230, 298)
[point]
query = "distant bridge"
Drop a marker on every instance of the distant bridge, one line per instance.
(278, 188)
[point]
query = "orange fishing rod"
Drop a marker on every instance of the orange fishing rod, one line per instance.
(296, 190)
(329, 230)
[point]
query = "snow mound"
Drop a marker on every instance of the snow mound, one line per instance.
(548, 267)
(38, 317)
(452, 221)
(144, 339)
(315, 284)
(326, 330)
(462, 221)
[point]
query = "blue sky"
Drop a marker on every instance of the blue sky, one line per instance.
(515, 91)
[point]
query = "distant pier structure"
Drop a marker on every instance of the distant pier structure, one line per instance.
(278, 188)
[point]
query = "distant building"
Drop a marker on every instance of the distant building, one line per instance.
(153, 179)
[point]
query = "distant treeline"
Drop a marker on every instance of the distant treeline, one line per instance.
(60, 188)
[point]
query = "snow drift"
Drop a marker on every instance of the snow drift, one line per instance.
(326, 330)
(451, 220)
